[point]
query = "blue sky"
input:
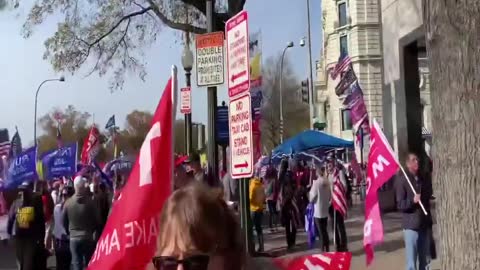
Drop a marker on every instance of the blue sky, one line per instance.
(22, 68)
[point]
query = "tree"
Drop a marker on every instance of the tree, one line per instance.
(137, 125)
(452, 46)
(295, 113)
(113, 34)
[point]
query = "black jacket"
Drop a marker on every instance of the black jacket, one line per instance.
(30, 208)
(413, 216)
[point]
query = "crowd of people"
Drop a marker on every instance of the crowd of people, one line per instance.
(199, 224)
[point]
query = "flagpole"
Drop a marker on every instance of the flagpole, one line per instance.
(174, 110)
(413, 189)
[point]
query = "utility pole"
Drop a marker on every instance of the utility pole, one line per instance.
(310, 81)
(212, 150)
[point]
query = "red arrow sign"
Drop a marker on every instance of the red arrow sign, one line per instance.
(238, 75)
(241, 165)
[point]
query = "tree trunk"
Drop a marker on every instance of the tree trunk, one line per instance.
(453, 44)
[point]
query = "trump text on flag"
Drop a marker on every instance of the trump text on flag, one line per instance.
(238, 61)
(210, 60)
(240, 126)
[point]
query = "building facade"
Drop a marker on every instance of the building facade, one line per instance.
(406, 95)
(352, 26)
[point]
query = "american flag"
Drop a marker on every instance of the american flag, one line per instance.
(339, 198)
(16, 144)
(347, 80)
(5, 144)
(343, 64)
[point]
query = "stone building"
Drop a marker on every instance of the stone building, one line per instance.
(406, 95)
(352, 26)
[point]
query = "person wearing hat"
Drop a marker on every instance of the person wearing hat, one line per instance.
(81, 220)
(195, 168)
(27, 222)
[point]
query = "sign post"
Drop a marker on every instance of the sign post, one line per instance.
(186, 100)
(241, 143)
(210, 59)
(238, 60)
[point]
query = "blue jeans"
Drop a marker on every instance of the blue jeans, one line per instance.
(417, 247)
(81, 250)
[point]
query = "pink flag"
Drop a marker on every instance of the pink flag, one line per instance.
(382, 165)
(325, 261)
(130, 235)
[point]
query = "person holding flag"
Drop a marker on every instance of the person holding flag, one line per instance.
(338, 209)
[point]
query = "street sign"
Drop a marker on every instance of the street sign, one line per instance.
(186, 100)
(222, 125)
(238, 60)
(210, 60)
(241, 143)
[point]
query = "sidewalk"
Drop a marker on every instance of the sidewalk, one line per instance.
(389, 255)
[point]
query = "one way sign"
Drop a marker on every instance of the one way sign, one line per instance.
(238, 60)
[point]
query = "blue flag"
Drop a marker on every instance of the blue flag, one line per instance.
(110, 123)
(22, 169)
(60, 162)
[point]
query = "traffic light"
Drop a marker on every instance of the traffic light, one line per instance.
(305, 91)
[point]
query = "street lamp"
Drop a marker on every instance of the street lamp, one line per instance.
(289, 45)
(61, 79)
(187, 63)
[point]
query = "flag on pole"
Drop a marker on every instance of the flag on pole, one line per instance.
(16, 144)
(343, 64)
(4, 143)
(91, 146)
(339, 197)
(382, 165)
(111, 122)
(129, 238)
(59, 137)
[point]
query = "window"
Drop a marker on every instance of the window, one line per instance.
(346, 120)
(342, 14)
(343, 44)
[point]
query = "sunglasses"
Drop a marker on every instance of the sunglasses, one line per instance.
(197, 262)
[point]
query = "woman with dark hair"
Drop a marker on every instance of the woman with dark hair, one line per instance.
(290, 213)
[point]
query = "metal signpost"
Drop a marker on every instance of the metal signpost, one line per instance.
(209, 59)
(238, 60)
(186, 100)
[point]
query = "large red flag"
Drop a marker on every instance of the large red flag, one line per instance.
(382, 165)
(129, 238)
(91, 146)
(325, 261)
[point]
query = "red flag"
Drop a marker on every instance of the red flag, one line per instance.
(91, 145)
(129, 238)
(325, 261)
(382, 165)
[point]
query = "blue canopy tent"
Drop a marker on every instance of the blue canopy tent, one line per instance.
(310, 140)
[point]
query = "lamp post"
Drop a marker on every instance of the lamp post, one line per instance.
(289, 45)
(61, 79)
(187, 63)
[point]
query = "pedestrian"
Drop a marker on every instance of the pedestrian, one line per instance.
(27, 222)
(102, 202)
(271, 193)
(257, 202)
(62, 243)
(81, 217)
(194, 168)
(48, 205)
(320, 195)
(198, 231)
(416, 225)
(290, 213)
(334, 171)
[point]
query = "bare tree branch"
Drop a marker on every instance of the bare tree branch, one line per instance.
(175, 25)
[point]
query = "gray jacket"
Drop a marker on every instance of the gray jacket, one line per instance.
(81, 217)
(413, 216)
